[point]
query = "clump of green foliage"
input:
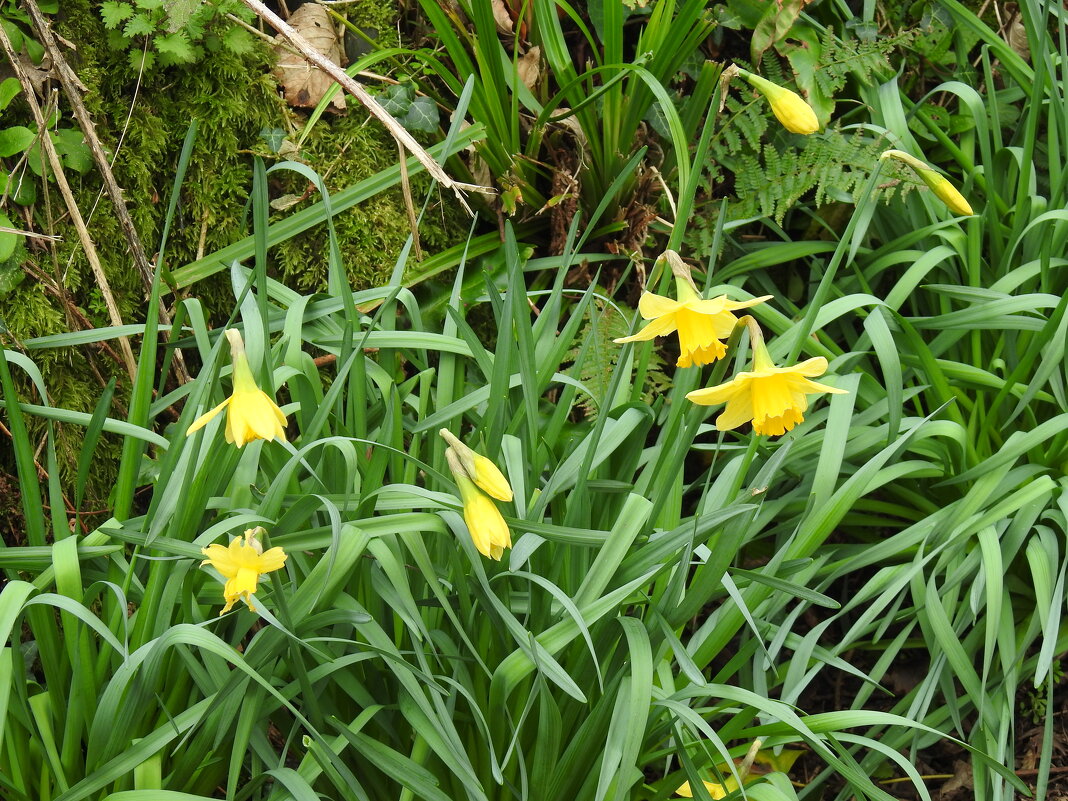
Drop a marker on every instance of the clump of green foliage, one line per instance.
(142, 118)
(769, 178)
(155, 33)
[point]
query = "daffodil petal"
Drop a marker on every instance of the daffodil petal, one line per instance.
(651, 305)
(812, 387)
(719, 393)
(274, 559)
(810, 367)
(657, 328)
(745, 304)
(235, 426)
(487, 526)
(262, 420)
(206, 418)
(739, 410)
(489, 478)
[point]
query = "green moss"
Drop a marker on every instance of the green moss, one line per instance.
(234, 98)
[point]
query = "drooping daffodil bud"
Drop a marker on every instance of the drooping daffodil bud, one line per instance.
(936, 182)
(488, 529)
(486, 475)
(788, 106)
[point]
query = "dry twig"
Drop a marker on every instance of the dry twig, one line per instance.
(395, 129)
(71, 85)
(68, 197)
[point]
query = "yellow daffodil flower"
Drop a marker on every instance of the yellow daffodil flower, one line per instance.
(746, 769)
(773, 398)
(251, 413)
(701, 324)
(715, 789)
(936, 182)
(242, 564)
(487, 526)
(788, 107)
(486, 475)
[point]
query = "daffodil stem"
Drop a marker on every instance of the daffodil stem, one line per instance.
(750, 757)
(804, 329)
(419, 751)
(296, 659)
(688, 191)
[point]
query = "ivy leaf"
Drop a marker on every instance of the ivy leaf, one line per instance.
(140, 25)
(113, 13)
(422, 115)
(273, 137)
(396, 100)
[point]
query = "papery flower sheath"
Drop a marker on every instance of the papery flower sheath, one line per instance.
(241, 564)
(788, 106)
(250, 412)
(488, 529)
(773, 398)
(702, 324)
(936, 182)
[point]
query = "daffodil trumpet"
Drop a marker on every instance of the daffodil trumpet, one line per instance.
(936, 182)
(701, 324)
(488, 529)
(788, 106)
(773, 398)
(250, 412)
(242, 563)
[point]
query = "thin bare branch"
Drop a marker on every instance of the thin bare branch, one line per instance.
(350, 85)
(68, 197)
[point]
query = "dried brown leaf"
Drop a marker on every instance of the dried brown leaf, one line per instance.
(502, 17)
(303, 83)
(529, 67)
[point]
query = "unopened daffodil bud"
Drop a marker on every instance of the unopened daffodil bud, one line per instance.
(788, 106)
(938, 183)
(486, 475)
(488, 529)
